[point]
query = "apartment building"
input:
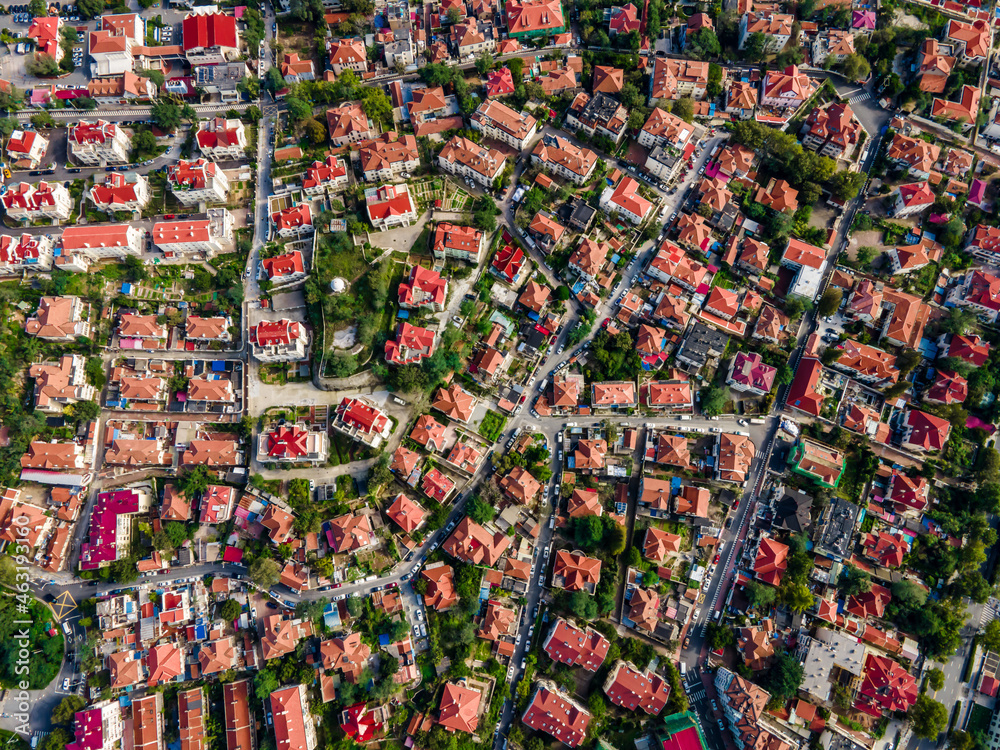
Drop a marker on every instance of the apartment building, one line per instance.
(498, 121)
(194, 236)
(461, 243)
(565, 159)
(600, 114)
(389, 156)
(390, 206)
(470, 160)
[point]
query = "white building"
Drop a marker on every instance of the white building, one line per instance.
(626, 201)
(279, 341)
(46, 200)
(222, 140)
(96, 143)
(194, 236)
(470, 160)
(100, 241)
(128, 191)
(194, 182)
(27, 148)
(390, 206)
(498, 121)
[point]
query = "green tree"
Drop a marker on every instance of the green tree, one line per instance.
(273, 80)
(82, 411)
(166, 115)
(928, 718)
(229, 610)
(713, 401)
(583, 605)
(479, 511)
(829, 303)
(935, 678)
(315, 130)
(908, 593)
(90, 8)
(760, 595)
(194, 481)
(990, 639)
(846, 185)
(784, 677)
(755, 47)
(684, 108)
(68, 706)
(143, 144)
(156, 76)
(264, 572)
(484, 64)
(298, 110)
(795, 595)
(705, 44)
(855, 67)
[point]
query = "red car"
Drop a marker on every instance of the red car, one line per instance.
(716, 560)
(604, 323)
(170, 216)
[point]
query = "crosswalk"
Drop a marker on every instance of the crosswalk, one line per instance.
(989, 612)
(862, 97)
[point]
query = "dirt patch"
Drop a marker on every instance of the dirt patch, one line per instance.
(871, 238)
(636, 153)
(910, 21)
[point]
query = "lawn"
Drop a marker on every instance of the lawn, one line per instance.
(979, 719)
(492, 425)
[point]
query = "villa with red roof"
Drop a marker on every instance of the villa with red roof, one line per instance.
(925, 432)
(459, 708)
(287, 268)
(412, 345)
(527, 19)
(749, 374)
(220, 139)
(293, 221)
(888, 550)
(568, 644)
(424, 290)
(325, 177)
(406, 513)
(626, 201)
(210, 38)
(906, 492)
(911, 199)
(499, 83)
(508, 263)
(629, 688)
(555, 713)
(771, 561)
(886, 688)
(26, 148)
(198, 180)
(292, 443)
(279, 341)
(390, 206)
(361, 420)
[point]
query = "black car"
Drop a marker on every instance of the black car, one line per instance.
(272, 605)
(74, 171)
(109, 169)
(35, 172)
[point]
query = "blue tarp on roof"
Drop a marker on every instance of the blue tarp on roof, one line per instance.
(126, 288)
(218, 366)
(383, 640)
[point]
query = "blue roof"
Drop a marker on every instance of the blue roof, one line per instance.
(218, 366)
(383, 640)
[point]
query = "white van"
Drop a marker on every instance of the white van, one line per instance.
(684, 668)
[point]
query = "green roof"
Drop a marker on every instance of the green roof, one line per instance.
(680, 732)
